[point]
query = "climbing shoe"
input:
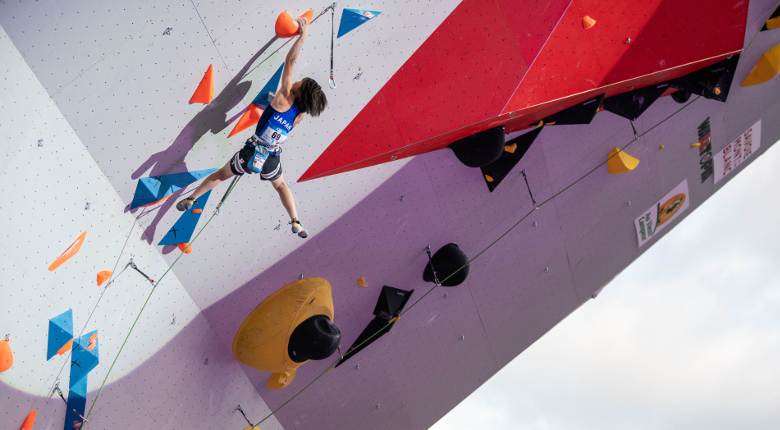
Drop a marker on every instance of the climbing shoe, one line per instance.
(186, 204)
(299, 229)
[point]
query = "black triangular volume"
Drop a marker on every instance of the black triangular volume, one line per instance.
(633, 103)
(376, 328)
(391, 302)
(480, 149)
(389, 305)
(775, 14)
(514, 150)
(582, 113)
(712, 82)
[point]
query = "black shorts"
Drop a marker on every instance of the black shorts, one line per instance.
(272, 169)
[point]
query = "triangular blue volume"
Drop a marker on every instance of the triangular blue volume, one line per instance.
(60, 332)
(261, 100)
(354, 18)
(154, 188)
(185, 226)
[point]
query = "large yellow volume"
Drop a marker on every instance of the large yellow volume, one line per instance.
(263, 338)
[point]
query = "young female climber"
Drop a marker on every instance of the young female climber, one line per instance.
(261, 153)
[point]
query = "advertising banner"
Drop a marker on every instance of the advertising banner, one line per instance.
(737, 151)
(662, 213)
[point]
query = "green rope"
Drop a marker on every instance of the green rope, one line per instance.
(216, 211)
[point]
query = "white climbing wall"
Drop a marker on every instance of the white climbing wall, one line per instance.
(45, 192)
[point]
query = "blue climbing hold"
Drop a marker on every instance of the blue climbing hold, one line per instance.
(84, 358)
(60, 332)
(354, 18)
(262, 100)
(154, 188)
(184, 228)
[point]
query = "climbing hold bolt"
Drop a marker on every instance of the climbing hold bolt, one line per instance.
(40, 142)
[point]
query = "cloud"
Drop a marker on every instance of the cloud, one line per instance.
(686, 337)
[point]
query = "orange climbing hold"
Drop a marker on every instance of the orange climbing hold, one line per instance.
(102, 276)
(158, 201)
(197, 211)
(184, 247)
(70, 252)
(6, 356)
(286, 27)
(205, 91)
(588, 22)
(250, 117)
(30, 420)
(65, 348)
(92, 342)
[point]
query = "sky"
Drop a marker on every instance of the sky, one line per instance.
(687, 337)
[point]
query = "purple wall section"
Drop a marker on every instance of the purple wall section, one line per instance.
(585, 236)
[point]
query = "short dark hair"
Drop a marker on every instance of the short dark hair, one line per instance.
(310, 98)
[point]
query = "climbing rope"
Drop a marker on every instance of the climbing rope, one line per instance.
(216, 211)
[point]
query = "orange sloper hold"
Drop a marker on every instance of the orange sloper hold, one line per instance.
(102, 276)
(6, 356)
(30, 420)
(588, 22)
(184, 247)
(158, 201)
(250, 117)
(286, 27)
(70, 252)
(205, 91)
(65, 348)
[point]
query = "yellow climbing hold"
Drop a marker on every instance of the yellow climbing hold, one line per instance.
(620, 162)
(766, 68)
(696, 144)
(661, 147)
(489, 178)
(510, 148)
(362, 282)
(717, 91)
(773, 23)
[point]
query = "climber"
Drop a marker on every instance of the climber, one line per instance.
(261, 152)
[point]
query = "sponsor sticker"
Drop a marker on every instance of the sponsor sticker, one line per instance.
(705, 150)
(737, 151)
(662, 213)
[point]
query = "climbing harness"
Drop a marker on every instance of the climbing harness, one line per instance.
(331, 81)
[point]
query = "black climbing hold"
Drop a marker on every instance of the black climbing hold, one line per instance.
(514, 150)
(681, 96)
(480, 149)
(447, 260)
(316, 338)
(389, 305)
(633, 103)
(582, 113)
(712, 82)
